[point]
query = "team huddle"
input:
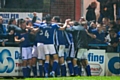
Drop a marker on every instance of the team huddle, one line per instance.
(54, 45)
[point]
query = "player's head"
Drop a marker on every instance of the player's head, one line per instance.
(34, 14)
(48, 18)
(22, 23)
(29, 23)
(1, 20)
(12, 21)
(56, 19)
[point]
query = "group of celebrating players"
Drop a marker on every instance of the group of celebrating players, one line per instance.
(55, 45)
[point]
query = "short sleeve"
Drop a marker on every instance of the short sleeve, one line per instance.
(36, 24)
(17, 34)
(55, 26)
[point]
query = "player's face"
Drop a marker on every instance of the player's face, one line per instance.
(30, 24)
(99, 27)
(53, 20)
(71, 23)
(23, 25)
(14, 22)
(1, 21)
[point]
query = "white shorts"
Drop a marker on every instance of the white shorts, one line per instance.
(50, 49)
(82, 53)
(70, 51)
(34, 51)
(61, 50)
(26, 53)
(41, 52)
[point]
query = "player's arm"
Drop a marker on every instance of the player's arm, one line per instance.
(18, 40)
(65, 25)
(90, 34)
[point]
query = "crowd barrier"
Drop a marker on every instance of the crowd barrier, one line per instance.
(102, 63)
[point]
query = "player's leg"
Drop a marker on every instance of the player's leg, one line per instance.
(24, 62)
(47, 58)
(86, 66)
(53, 51)
(69, 52)
(75, 66)
(74, 59)
(34, 60)
(61, 59)
(79, 55)
(29, 57)
(79, 67)
(85, 62)
(58, 74)
(41, 57)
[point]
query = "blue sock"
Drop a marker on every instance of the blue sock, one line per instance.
(75, 70)
(70, 67)
(46, 67)
(24, 70)
(41, 70)
(88, 70)
(28, 71)
(58, 71)
(55, 65)
(79, 71)
(63, 70)
(34, 69)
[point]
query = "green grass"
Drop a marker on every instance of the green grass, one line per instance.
(80, 78)
(73, 78)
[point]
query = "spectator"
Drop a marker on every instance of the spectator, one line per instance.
(105, 22)
(113, 25)
(118, 24)
(88, 31)
(99, 35)
(12, 28)
(118, 8)
(3, 33)
(90, 15)
(35, 17)
(106, 9)
(2, 28)
(102, 9)
(92, 27)
(112, 39)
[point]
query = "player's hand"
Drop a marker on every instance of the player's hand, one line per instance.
(67, 21)
(86, 31)
(22, 39)
(3, 43)
(11, 32)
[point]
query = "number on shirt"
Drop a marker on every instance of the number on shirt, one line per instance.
(41, 32)
(46, 34)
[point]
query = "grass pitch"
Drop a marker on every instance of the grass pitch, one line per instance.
(73, 78)
(80, 78)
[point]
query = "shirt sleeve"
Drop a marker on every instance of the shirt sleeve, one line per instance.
(55, 26)
(70, 29)
(17, 34)
(36, 24)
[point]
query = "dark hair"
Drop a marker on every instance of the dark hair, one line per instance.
(43, 18)
(11, 20)
(48, 17)
(57, 18)
(29, 22)
(76, 23)
(22, 21)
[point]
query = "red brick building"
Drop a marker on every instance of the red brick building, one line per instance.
(66, 8)
(63, 8)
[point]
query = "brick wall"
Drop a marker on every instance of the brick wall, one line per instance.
(63, 8)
